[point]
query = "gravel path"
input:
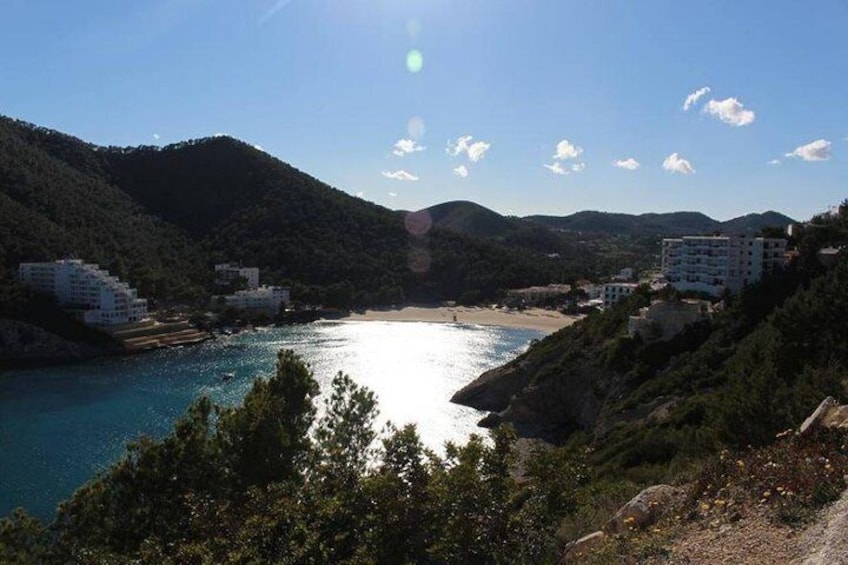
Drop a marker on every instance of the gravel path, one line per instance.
(754, 540)
(826, 541)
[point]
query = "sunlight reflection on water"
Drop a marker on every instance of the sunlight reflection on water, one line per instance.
(61, 425)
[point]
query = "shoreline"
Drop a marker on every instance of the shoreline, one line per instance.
(539, 319)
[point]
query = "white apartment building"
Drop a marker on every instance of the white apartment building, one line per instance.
(264, 298)
(225, 273)
(711, 264)
(101, 298)
(613, 292)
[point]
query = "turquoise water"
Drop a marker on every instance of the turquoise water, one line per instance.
(60, 426)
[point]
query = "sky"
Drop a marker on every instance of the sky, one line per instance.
(523, 106)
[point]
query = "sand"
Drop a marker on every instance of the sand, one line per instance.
(546, 321)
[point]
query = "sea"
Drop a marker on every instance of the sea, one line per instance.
(61, 426)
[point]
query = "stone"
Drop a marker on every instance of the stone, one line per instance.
(819, 416)
(643, 509)
(582, 547)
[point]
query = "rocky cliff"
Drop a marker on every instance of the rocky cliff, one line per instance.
(23, 344)
(547, 409)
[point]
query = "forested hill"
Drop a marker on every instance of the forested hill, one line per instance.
(56, 200)
(653, 224)
(760, 365)
(160, 217)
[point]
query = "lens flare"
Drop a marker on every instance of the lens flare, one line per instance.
(415, 127)
(414, 61)
(413, 28)
(419, 260)
(418, 223)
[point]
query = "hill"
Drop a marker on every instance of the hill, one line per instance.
(653, 224)
(758, 367)
(56, 200)
(160, 217)
(472, 219)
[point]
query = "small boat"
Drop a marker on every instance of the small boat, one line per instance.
(227, 376)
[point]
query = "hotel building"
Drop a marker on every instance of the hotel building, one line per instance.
(100, 298)
(711, 264)
(225, 273)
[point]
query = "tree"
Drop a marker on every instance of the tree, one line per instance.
(267, 438)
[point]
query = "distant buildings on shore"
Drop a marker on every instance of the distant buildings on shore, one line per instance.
(229, 273)
(263, 298)
(711, 264)
(613, 292)
(99, 298)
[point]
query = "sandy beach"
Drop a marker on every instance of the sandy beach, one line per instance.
(532, 318)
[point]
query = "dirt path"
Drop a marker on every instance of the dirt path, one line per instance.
(826, 541)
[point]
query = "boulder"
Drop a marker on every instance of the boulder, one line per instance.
(643, 509)
(577, 549)
(828, 414)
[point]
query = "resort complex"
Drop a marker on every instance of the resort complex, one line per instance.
(713, 264)
(99, 298)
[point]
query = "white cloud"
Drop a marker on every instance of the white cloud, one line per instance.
(156, 136)
(693, 98)
(406, 146)
(674, 163)
(818, 150)
(461, 171)
(774, 162)
(400, 175)
(578, 167)
(475, 151)
(630, 164)
(566, 150)
(360, 194)
(556, 168)
(730, 111)
(393, 194)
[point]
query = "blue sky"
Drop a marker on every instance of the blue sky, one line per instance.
(531, 106)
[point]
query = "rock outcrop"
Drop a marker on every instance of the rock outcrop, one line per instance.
(23, 344)
(829, 414)
(493, 390)
(644, 509)
(547, 409)
(641, 511)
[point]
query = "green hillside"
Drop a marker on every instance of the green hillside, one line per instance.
(160, 217)
(758, 367)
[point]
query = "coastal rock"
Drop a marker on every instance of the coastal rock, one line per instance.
(643, 509)
(493, 390)
(546, 409)
(24, 344)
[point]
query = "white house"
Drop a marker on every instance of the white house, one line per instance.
(613, 292)
(99, 297)
(264, 298)
(711, 264)
(225, 273)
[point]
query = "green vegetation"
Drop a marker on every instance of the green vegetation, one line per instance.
(758, 367)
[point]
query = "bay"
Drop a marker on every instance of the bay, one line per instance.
(60, 426)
